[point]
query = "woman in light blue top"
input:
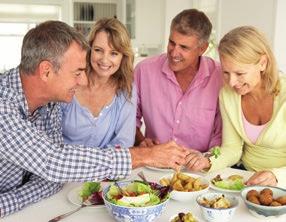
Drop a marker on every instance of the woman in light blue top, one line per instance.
(102, 114)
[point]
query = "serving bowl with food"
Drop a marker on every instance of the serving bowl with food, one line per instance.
(265, 201)
(186, 186)
(217, 207)
(140, 201)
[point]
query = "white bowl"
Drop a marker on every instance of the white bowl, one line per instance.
(214, 214)
(174, 216)
(190, 195)
(133, 214)
(261, 211)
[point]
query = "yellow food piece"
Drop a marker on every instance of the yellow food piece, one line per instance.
(188, 217)
(183, 182)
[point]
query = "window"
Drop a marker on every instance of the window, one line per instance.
(15, 21)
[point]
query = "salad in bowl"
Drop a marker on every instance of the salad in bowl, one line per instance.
(139, 201)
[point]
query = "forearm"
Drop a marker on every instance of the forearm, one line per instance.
(31, 192)
(139, 156)
(65, 163)
(216, 135)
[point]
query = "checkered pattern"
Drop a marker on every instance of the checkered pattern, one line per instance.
(33, 143)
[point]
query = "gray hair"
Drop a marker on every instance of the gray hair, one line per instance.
(192, 22)
(48, 41)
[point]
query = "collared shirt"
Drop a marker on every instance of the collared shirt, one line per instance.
(34, 143)
(114, 126)
(192, 118)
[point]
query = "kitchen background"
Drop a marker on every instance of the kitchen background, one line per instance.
(148, 21)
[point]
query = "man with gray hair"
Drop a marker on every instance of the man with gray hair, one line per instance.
(34, 161)
(178, 90)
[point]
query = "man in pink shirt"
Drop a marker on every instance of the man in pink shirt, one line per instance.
(178, 91)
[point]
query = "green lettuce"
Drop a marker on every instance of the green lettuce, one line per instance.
(236, 184)
(134, 189)
(88, 189)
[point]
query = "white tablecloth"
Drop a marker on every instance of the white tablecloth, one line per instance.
(58, 204)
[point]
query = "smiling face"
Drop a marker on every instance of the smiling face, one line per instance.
(70, 76)
(243, 78)
(183, 51)
(105, 60)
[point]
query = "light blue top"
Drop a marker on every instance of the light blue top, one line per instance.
(115, 125)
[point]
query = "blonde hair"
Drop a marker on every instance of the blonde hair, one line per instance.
(246, 45)
(118, 38)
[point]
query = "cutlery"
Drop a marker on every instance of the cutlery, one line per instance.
(89, 202)
(160, 190)
(123, 192)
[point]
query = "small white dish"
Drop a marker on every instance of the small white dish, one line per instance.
(174, 216)
(74, 197)
(218, 214)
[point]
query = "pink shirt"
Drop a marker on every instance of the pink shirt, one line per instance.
(252, 131)
(192, 118)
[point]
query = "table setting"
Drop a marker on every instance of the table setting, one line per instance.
(68, 200)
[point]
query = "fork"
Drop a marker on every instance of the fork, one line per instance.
(123, 192)
(83, 205)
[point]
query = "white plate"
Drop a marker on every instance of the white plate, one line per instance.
(160, 169)
(170, 170)
(74, 198)
(222, 189)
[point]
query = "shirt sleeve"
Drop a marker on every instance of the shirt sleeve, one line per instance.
(32, 149)
(126, 126)
(35, 189)
(137, 80)
(217, 129)
(232, 144)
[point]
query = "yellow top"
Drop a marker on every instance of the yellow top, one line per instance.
(269, 151)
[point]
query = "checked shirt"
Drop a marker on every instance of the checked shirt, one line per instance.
(34, 161)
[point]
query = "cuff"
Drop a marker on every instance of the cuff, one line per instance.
(121, 162)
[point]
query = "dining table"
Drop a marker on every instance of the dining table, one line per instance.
(61, 202)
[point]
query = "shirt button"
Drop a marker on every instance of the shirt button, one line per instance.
(180, 103)
(175, 138)
(178, 121)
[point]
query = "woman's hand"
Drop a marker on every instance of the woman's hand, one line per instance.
(196, 161)
(265, 178)
(147, 142)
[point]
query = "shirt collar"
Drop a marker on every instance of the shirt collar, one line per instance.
(16, 85)
(202, 73)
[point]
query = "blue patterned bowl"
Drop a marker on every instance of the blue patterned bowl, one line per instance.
(218, 214)
(133, 214)
(261, 211)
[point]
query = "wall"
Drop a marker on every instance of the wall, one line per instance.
(267, 15)
(149, 17)
(259, 13)
(280, 35)
(172, 8)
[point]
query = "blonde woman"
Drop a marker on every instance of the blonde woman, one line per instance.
(102, 114)
(253, 108)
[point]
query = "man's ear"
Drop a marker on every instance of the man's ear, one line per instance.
(203, 47)
(45, 70)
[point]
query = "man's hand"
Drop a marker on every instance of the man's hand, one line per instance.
(196, 161)
(147, 142)
(265, 178)
(167, 155)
